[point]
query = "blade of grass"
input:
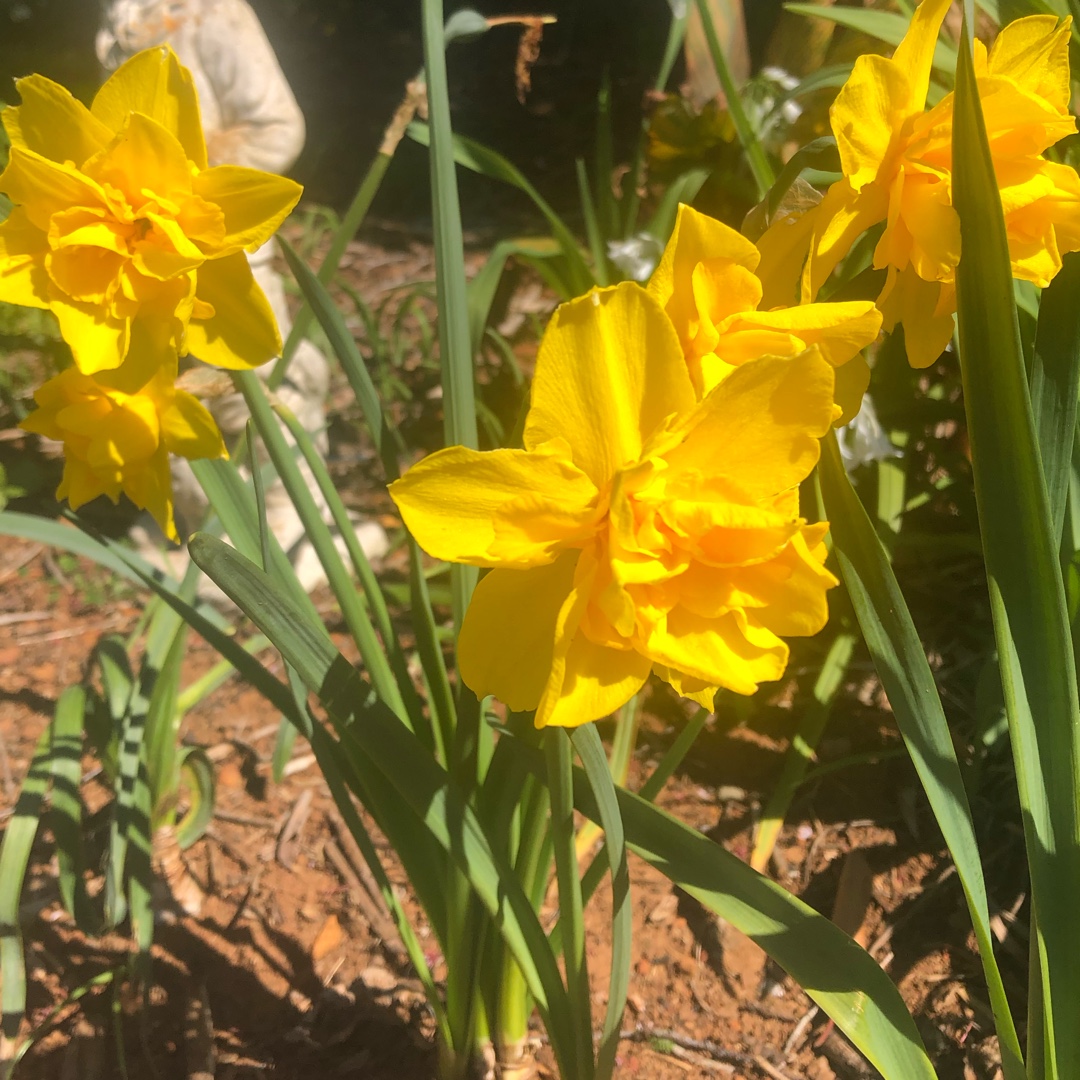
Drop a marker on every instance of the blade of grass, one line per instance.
(341, 341)
(905, 674)
(361, 567)
(837, 973)
(1027, 598)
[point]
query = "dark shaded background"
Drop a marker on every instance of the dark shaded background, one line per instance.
(348, 61)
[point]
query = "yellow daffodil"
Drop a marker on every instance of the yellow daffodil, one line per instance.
(116, 442)
(124, 233)
(897, 163)
(642, 528)
(707, 283)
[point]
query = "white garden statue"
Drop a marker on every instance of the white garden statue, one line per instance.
(250, 117)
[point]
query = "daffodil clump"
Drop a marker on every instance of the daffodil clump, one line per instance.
(125, 234)
(897, 161)
(651, 522)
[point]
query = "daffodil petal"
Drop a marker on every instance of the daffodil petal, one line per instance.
(866, 114)
(852, 382)
(915, 53)
(760, 427)
(1034, 51)
(924, 309)
(45, 187)
(729, 651)
(188, 429)
(609, 373)
(98, 341)
(144, 159)
(150, 488)
(507, 638)
(784, 247)
(840, 330)
(498, 508)
(844, 214)
(695, 239)
(243, 332)
(596, 681)
(53, 123)
(153, 82)
(23, 277)
(254, 203)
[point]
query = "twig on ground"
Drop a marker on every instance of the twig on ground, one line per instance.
(705, 1047)
(288, 846)
(378, 921)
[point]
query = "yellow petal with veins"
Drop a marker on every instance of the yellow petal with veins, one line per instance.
(243, 332)
(610, 370)
(98, 341)
(188, 429)
(144, 160)
(1034, 51)
(507, 638)
(254, 203)
(502, 507)
(53, 123)
(23, 277)
(768, 416)
(915, 53)
(154, 83)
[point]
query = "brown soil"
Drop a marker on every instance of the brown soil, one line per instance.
(297, 984)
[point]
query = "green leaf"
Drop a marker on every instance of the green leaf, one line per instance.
(197, 774)
(1055, 383)
(14, 859)
(1027, 597)
(883, 25)
(905, 674)
(352, 363)
(455, 350)
(66, 816)
(591, 751)
(837, 973)
(560, 782)
(374, 744)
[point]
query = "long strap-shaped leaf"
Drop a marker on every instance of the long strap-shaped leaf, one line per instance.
(836, 972)
(1026, 594)
(905, 674)
(376, 745)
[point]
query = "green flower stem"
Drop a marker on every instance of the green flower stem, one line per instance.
(755, 153)
(557, 750)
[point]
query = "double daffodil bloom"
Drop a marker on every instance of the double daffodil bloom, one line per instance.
(116, 442)
(897, 163)
(707, 283)
(124, 233)
(642, 528)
